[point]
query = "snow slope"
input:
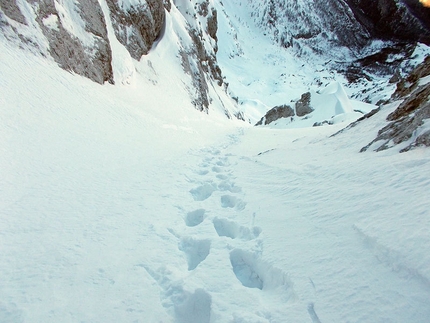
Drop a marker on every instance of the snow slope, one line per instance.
(124, 204)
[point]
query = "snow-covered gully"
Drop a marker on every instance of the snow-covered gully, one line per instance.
(124, 203)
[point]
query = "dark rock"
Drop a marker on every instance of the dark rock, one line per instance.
(203, 8)
(303, 106)
(422, 140)
(410, 115)
(11, 9)
(407, 85)
(411, 103)
(213, 25)
(167, 5)
(138, 26)
(68, 51)
(323, 123)
(278, 112)
(384, 62)
(391, 19)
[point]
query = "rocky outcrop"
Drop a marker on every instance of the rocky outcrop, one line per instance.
(351, 25)
(303, 105)
(199, 60)
(80, 46)
(278, 112)
(392, 19)
(407, 121)
(11, 9)
(137, 25)
(316, 25)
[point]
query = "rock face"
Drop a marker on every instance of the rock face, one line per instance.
(79, 45)
(407, 121)
(303, 106)
(138, 24)
(11, 9)
(199, 60)
(318, 25)
(391, 19)
(278, 112)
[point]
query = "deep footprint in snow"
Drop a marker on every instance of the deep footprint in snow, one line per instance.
(193, 308)
(222, 177)
(203, 192)
(187, 307)
(230, 229)
(195, 250)
(229, 201)
(202, 171)
(254, 273)
(229, 186)
(195, 217)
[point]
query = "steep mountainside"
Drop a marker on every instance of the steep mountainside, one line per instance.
(132, 190)
(242, 58)
(89, 38)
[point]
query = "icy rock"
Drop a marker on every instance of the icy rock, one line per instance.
(392, 19)
(11, 9)
(409, 119)
(137, 25)
(303, 106)
(281, 111)
(76, 35)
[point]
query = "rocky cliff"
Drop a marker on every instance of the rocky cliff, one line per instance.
(348, 25)
(73, 33)
(410, 122)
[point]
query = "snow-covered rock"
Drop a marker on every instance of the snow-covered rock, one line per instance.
(410, 122)
(73, 33)
(137, 23)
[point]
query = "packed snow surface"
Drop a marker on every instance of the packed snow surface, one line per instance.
(125, 204)
(119, 205)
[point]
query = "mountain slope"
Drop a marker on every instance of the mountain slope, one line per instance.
(125, 203)
(113, 209)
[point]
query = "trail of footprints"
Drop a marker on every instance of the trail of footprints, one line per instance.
(249, 269)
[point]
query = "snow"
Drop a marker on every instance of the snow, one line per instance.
(125, 204)
(71, 20)
(51, 22)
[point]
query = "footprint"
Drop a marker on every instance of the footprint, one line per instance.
(217, 169)
(203, 192)
(230, 229)
(194, 218)
(232, 202)
(222, 177)
(228, 186)
(193, 307)
(195, 250)
(254, 273)
(223, 162)
(202, 171)
(184, 306)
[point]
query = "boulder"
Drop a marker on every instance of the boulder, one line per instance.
(278, 112)
(303, 106)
